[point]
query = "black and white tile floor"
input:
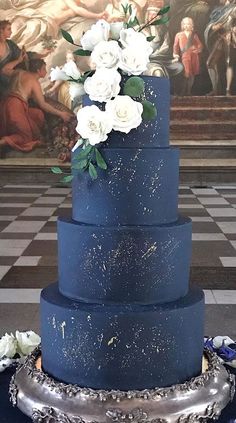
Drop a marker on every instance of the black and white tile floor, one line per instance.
(28, 250)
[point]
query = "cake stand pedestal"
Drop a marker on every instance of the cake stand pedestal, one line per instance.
(46, 400)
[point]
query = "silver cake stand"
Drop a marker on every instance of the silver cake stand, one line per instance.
(47, 401)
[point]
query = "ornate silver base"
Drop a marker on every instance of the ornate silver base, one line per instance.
(48, 401)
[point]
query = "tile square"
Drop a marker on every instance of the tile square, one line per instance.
(20, 296)
(58, 191)
(7, 261)
(201, 219)
(222, 212)
(208, 237)
(20, 318)
(227, 227)
(233, 243)
(39, 211)
(209, 297)
(29, 277)
(213, 200)
(15, 205)
(7, 218)
(46, 236)
(41, 248)
(24, 226)
(224, 296)
(27, 186)
(3, 271)
(190, 206)
(204, 191)
(28, 261)
(228, 261)
(49, 200)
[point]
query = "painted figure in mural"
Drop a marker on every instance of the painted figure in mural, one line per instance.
(21, 125)
(187, 48)
(220, 37)
(199, 11)
(11, 56)
(161, 61)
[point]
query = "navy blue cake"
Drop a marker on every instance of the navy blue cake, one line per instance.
(122, 315)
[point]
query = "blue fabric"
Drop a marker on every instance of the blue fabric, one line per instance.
(10, 414)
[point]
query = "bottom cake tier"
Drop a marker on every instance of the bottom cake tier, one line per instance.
(122, 347)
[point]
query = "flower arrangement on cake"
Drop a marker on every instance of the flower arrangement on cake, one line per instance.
(119, 53)
(14, 349)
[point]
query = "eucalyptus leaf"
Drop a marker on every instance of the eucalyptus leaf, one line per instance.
(134, 86)
(92, 171)
(161, 21)
(151, 38)
(67, 179)
(164, 10)
(67, 36)
(84, 153)
(56, 170)
(81, 52)
(149, 110)
(100, 160)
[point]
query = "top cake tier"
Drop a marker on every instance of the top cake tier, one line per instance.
(154, 133)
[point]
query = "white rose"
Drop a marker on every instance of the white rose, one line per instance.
(71, 70)
(115, 28)
(103, 85)
(106, 54)
(58, 74)
(98, 32)
(133, 61)
(126, 113)
(27, 342)
(131, 38)
(93, 124)
(76, 90)
(8, 346)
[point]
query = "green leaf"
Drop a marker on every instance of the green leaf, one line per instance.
(130, 9)
(100, 160)
(149, 110)
(133, 23)
(161, 21)
(67, 36)
(125, 8)
(92, 171)
(81, 52)
(67, 179)
(151, 38)
(134, 86)
(56, 170)
(81, 165)
(164, 10)
(84, 153)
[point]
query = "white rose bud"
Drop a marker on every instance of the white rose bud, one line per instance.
(115, 28)
(71, 70)
(98, 32)
(103, 85)
(126, 113)
(106, 54)
(93, 124)
(133, 61)
(129, 37)
(8, 346)
(27, 342)
(58, 74)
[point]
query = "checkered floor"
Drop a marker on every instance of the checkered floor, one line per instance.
(28, 244)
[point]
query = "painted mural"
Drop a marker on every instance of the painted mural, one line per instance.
(196, 49)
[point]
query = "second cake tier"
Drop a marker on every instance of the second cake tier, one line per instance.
(124, 264)
(140, 187)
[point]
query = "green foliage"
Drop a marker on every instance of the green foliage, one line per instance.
(161, 21)
(67, 36)
(100, 160)
(81, 52)
(134, 86)
(149, 110)
(151, 38)
(164, 10)
(67, 179)
(92, 171)
(56, 170)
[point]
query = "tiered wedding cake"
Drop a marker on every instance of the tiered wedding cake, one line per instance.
(122, 315)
